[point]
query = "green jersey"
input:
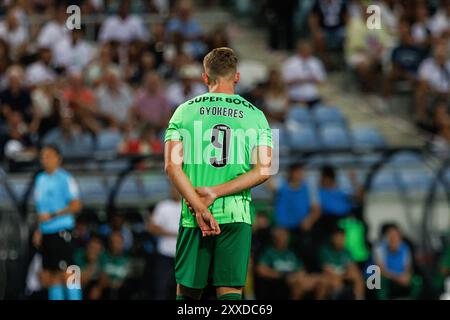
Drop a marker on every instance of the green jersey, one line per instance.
(281, 261)
(337, 259)
(219, 132)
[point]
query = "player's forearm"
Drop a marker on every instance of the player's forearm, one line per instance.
(248, 180)
(184, 186)
(73, 208)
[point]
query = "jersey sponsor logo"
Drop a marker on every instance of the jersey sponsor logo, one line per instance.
(235, 101)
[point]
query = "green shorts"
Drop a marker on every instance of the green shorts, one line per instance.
(221, 260)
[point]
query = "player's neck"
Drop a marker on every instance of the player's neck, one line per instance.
(222, 87)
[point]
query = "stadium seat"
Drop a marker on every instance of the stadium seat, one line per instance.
(410, 159)
(92, 189)
(155, 186)
(386, 181)
(334, 137)
(367, 137)
(303, 138)
(325, 115)
(299, 114)
(108, 141)
(416, 180)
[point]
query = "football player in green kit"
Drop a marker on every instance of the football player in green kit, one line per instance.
(217, 147)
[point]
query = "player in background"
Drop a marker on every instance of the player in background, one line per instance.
(56, 197)
(213, 165)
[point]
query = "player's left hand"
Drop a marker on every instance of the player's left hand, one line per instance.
(44, 217)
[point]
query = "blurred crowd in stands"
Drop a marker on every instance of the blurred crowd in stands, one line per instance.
(116, 94)
(113, 94)
(407, 52)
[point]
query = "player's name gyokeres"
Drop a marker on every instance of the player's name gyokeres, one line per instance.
(232, 100)
(221, 111)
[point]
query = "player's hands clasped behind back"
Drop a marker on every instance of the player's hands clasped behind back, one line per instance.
(205, 219)
(207, 224)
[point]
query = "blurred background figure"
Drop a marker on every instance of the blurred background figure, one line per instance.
(115, 268)
(393, 255)
(339, 269)
(303, 73)
(284, 273)
(56, 197)
(164, 225)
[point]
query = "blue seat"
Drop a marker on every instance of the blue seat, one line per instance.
(367, 137)
(92, 189)
(334, 137)
(299, 114)
(403, 159)
(416, 180)
(325, 115)
(303, 138)
(386, 181)
(341, 159)
(132, 189)
(108, 141)
(156, 186)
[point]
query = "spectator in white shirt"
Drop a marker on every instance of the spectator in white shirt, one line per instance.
(420, 29)
(164, 224)
(188, 87)
(73, 53)
(123, 27)
(303, 73)
(15, 34)
(433, 79)
(55, 30)
(41, 70)
(114, 100)
(440, 22)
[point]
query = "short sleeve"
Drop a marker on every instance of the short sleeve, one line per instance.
(319, 70)
(424, 71)
(37, 195)
(73, 192)
(158, 217)
(175, 124)
(264, 133)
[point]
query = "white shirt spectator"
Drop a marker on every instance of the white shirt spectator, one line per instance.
(117, 104)
(420, 32)
(297, 67)
(122, 30)
(73, 56)
(437, 77)
(167, 216)
(51, 34)
(439, 23)
(177, 96)
(38, 73)
(14, 38)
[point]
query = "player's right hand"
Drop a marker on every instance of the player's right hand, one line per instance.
(207, 223)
